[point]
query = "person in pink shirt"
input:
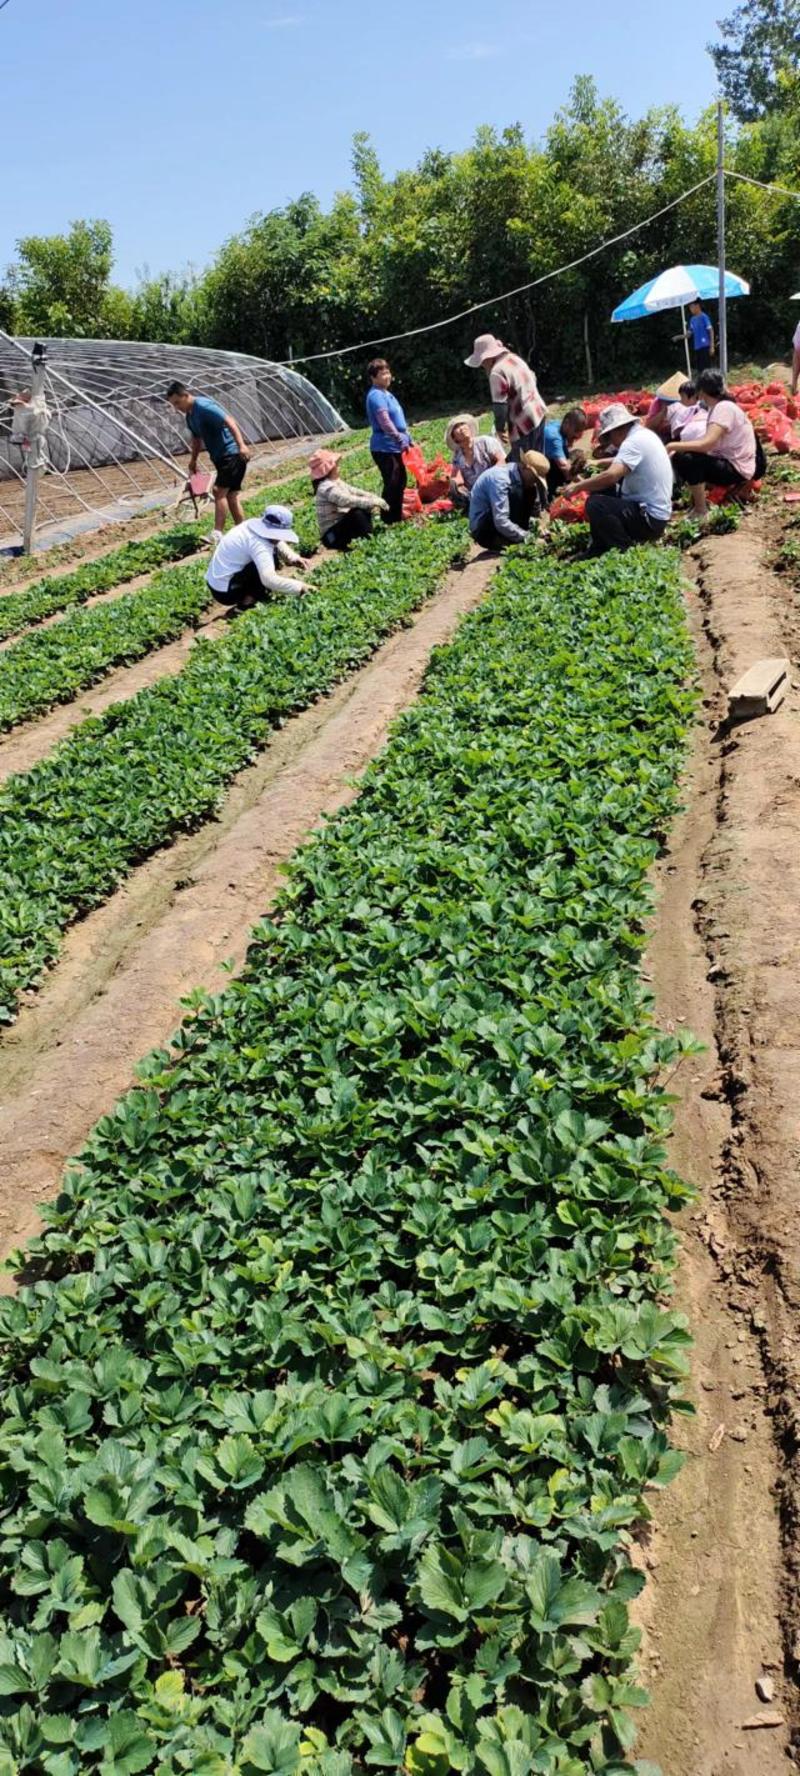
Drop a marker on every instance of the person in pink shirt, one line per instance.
(726, 455)
(519, 411)
(688, 418)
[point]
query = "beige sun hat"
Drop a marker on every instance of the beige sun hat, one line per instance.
(614, 416)
(485, 346)
(671, 389)
(461, 419)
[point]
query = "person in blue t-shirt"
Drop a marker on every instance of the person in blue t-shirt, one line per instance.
(558, 443)
(216, 431)
(389, 437)
(702, 334)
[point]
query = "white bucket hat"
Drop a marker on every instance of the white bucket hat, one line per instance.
(485, 346)
(276, 524)
(461, 419)
(614, 416)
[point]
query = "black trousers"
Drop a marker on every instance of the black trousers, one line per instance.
(531, 441)
(620, 523)
(694, 466)
(392, 471)
(702, 359)
(244, 584)
(355, 523)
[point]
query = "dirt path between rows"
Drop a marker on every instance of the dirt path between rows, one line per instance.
(721, 1615)
(115, 992)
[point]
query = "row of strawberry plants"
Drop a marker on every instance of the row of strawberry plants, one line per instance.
(342, 1368)
(51, 666)
(46, 597)
(127, 782)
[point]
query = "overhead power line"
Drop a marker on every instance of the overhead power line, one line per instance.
(475, 308)
(782, 190)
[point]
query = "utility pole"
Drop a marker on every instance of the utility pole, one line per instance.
(722, 328)
(36, 453)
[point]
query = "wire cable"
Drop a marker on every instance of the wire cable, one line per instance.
(782, 190)
(547, 276)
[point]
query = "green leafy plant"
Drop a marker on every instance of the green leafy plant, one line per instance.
(343, 1367)
(126, 782)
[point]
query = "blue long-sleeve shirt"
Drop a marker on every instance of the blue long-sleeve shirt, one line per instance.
(496, 494)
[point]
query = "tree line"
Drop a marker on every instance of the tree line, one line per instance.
(391, 254)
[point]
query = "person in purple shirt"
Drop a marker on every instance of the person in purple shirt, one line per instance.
(389, 437)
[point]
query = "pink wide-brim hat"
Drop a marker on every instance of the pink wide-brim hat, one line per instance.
(322, 463)
(485, 346)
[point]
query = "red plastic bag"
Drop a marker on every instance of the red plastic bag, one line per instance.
(414, 459)
(412, 504)
(441, 505)
(570, 508)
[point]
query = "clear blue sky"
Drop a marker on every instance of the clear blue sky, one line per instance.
(178, 119)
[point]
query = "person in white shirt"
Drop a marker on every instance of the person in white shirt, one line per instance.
(244, 564)
(630, 501)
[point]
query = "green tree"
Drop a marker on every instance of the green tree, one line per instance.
(60, 281)
(760, 43)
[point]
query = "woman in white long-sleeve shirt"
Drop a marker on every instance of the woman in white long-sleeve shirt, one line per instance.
(243, 566)
(343, 512)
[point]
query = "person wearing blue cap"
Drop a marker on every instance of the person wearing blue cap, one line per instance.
(244, 564)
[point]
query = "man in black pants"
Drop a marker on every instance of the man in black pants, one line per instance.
(631, 501)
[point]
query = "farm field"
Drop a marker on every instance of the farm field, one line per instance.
(352, 1415)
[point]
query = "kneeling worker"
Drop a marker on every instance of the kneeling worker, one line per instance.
(505, 499)
(343, 512)
(243, 566)
(558, 444)
(631, 500)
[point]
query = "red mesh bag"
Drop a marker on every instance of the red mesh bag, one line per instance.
(412, 504)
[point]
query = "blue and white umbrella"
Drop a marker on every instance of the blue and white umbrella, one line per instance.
(674, 288)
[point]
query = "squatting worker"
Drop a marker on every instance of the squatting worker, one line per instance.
(727, 453)
(558, 444)
(658, 417)
(471, 452)
(244, 565)
(688, 418)
(702, 334)
(506, 498)
(389, 437)
(343, 512)
(630, 501)
(517, 405)
(216, 431)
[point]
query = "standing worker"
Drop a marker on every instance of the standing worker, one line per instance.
(631, 500)
(389, 437)
(516, 402)
(702, 334)
(216, 431)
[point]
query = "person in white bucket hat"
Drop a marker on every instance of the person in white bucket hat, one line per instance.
(243, 566)
(472, 453)
(631, 500)
(519, 411)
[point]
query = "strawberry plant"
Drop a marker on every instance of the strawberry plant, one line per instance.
(128, 781)
(51, 665)
(343, 1367)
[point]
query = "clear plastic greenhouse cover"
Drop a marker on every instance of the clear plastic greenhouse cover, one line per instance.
(97, 387)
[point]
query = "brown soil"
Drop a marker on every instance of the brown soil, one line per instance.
(724, 1607)
(115, 992)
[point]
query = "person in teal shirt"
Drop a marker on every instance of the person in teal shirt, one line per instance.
(558, 444)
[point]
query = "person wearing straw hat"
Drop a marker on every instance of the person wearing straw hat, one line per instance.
(659, 413)
(343, 512)
(472, 453)
(630, 501)
(505, 500)
(519, 411)
(243, 565)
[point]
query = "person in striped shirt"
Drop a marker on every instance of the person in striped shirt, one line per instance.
(343, 512)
